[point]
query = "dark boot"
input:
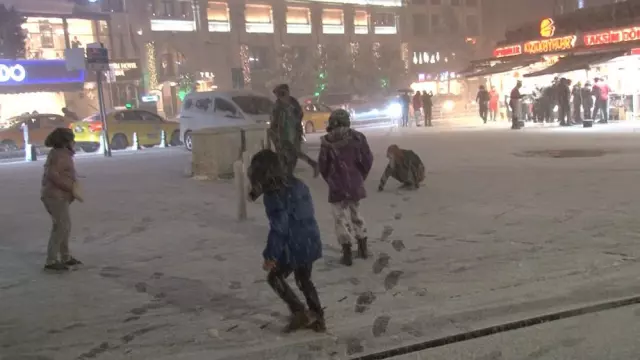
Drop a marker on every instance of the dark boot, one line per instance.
(297, 321)
(362, 248)
(318, 324)
(56, 266)
(347, 257)
(73, 262)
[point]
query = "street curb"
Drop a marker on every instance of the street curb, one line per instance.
(496, 329)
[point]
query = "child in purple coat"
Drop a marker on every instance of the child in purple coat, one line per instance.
(344, 162)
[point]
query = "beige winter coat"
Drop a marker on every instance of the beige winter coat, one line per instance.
(59, 175)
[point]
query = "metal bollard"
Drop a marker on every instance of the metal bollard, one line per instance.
(136, 143)
(30, 153)
(241, 190)
(163, 139)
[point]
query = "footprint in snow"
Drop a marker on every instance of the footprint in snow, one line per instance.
(381, 263)
(392, 279)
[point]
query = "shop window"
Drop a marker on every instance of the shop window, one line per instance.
(298, 20)
(166, 8)
(258, 18)
(103, 35)
(172, 25)
(361, 22)
(114, 6)
(258, 57)
(45, 38)
(218, 17)
(81, 32)
(332, 21)
(384, 23)
(473, 25)
(420, 25)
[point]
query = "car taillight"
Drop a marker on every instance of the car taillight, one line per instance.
(95, 126)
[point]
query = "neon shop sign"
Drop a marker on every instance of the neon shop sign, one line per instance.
(16, 73)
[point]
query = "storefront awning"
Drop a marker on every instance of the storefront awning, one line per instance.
(577, 62)
(505, 66)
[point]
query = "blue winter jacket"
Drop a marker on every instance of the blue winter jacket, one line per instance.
(294, 236)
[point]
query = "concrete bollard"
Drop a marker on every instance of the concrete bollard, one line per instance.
(136, 143)
(29, 150)
(239, 176)
(163, 139)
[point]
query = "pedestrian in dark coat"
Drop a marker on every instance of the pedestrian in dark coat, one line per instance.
(285, 131)
(293, 243)
(564, 99)
(482, 98)
(345, 161)
(587, 100)
(576, 96)
(427, 106)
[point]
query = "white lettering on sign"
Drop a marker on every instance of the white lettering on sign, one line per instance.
(119, 68)
(16, 73)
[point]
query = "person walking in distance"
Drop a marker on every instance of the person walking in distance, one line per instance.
(514, 103)
(427, 106)
(293, 242)
(405, 100)
(482, 98)
(576, 96)
(564, 99)
(587, 100)
(417, 107)
(286, 132)
(494, 99)
(601, 94)
(345, 161)
(59, 190)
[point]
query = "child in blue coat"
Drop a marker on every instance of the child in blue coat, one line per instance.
(293, 243)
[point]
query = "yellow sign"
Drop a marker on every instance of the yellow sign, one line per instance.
(550, 45)
(547, 28)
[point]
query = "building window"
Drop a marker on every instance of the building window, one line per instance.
(258, 18)
(361, 22)
(332, 21)
(45, 38)
(436, 24)
(185, 9)
(81, 32)
(258, 57)
(103, 34)
(166, 8)
(298, 20)
(384, 23)
(218, 17)
(472, 3)
(473, 25)
(420, 25)
(456, 2)
(116, 6)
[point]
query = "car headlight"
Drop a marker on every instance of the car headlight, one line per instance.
(448, 105)
(394, 110)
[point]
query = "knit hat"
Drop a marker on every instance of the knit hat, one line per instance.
(339, 118)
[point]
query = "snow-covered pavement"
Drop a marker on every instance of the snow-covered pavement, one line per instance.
(499, 233)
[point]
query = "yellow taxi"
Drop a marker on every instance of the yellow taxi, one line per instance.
(39, 125)
(316, 116)
(121, 125)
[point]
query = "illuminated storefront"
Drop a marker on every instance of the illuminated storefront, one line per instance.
(47, 37)
(36, 85)
(610, 53)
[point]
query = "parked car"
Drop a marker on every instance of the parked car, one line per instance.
(40, 125)
(121, 125)
(212, 109)
(330, 99)
(316, 116)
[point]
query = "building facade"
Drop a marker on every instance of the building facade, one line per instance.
(332, 45)
(443, 35)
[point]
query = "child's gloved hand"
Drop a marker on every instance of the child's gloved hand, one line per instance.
(269, 265)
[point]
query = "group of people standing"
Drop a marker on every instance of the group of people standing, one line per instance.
(422, 104)
(487, 103)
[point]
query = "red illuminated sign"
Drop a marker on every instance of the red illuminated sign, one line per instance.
(550, 45)
(507, 51)
(612, 36)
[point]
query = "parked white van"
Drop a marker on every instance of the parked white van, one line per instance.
(212, 109)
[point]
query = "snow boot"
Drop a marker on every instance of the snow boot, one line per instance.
(56, 266)
(347, 258)
(318, 325)
(297, 321)
(362, 248)
(73, 262)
